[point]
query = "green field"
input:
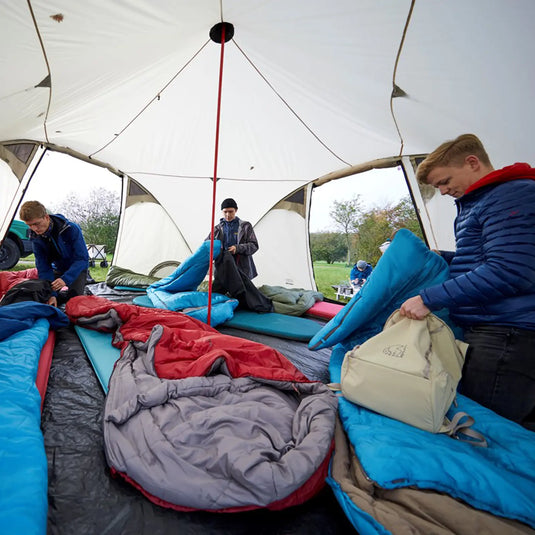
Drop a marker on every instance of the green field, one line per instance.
(98, 273)
(326, 274)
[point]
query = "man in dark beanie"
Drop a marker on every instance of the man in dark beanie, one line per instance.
(237, 237)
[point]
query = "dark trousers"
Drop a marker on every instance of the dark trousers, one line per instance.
(499, 371)
(77, 287)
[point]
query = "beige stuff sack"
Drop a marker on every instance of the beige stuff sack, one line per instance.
(410, 372)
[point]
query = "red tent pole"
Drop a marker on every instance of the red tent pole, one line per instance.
(214, 186)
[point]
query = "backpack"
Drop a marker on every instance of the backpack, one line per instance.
(410, 372)
(38, 290)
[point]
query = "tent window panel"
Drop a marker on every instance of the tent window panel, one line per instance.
(23, 151)
(297, 197)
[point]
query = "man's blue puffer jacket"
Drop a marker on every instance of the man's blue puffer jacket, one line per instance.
(492, 274)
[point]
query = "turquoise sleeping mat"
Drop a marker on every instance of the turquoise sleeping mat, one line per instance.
(274, 324)
(100, 352)
(130, 288)
(143, 301)
(271, 323)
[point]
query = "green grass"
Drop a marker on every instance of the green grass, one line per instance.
(98, 273)
(328, 274)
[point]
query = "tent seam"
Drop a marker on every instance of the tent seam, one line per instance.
(156, 97)
(47, 67)
(392, 95)
(288, 106)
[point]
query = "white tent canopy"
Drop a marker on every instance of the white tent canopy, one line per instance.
(307, 90)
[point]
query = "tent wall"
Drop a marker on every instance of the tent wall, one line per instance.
(307, 90)
(18, 160)
(284, 254)
(141, 246)
(436, 212)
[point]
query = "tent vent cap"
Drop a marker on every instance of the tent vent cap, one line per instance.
(216, 32)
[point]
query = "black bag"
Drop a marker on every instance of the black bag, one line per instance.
(38, 290)
(230, 279)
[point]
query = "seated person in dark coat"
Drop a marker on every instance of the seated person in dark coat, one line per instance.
(360, 272)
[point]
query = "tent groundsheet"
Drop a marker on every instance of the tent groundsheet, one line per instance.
(72, 427)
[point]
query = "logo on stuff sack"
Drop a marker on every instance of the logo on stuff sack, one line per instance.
(396, 350)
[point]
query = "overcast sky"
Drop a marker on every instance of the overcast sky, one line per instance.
(59, 175)
(376, 188)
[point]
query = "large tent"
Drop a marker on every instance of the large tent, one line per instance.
(296, 94)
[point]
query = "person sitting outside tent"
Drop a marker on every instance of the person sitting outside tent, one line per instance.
(237, 237)
(491, 289)
(359, 273)
(60, 251)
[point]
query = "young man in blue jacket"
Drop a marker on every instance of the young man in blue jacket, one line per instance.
(491, 289)
(60, 251)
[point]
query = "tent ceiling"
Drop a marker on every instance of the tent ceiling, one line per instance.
(306, 85)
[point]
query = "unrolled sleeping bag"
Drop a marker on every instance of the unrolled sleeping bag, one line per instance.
(196, 419)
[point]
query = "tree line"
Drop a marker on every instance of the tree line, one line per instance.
(98, 216)
(361, 232)
(359, 235)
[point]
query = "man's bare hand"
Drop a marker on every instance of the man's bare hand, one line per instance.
(414, 308)
(58, 284)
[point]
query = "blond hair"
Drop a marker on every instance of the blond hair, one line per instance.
(452, 153)
(32, 210)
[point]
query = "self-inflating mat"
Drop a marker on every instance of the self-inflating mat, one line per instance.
(196, 419)
(223, 312)
(43, 369)
(100, 351)
(23, 465)
(274, 324)
(324, 310)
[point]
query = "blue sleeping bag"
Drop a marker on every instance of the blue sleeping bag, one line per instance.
(178, 292)
(24, 330)
(405, 268)
(188, 275)
(499, 479)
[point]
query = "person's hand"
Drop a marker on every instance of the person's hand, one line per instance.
(53, 301)
(58, 284)
(414, 308)
(232, 249)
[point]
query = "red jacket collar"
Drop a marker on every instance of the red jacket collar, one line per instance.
(517, 171)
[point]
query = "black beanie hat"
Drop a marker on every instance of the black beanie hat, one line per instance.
(229, 203)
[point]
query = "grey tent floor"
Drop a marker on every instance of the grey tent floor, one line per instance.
(84, 499)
